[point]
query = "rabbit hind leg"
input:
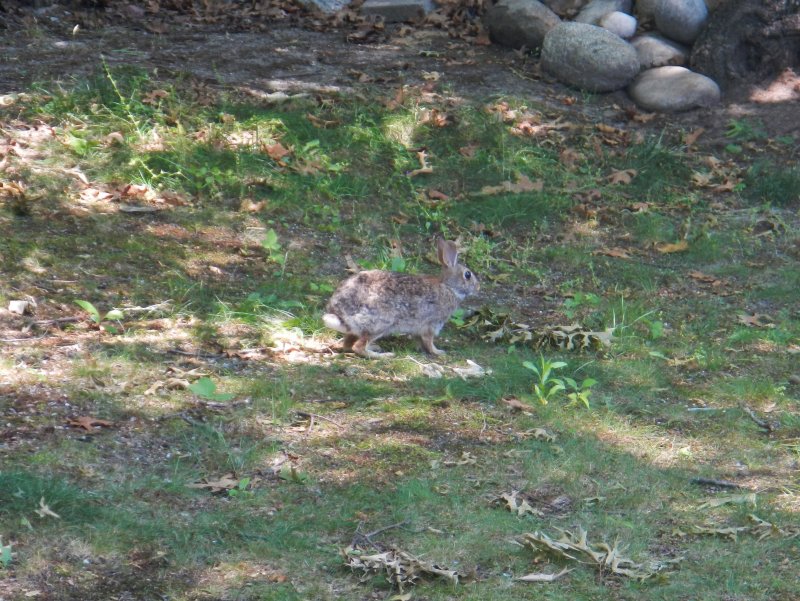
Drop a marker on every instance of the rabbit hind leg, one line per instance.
(362, 347)
(348, 341)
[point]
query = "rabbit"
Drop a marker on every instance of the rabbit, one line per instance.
(373, 304)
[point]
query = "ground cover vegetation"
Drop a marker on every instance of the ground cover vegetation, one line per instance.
(178, 424)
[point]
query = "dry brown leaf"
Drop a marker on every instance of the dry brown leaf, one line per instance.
(616, 252)
(88, 423)
(223, 483)
(518, 504)
(702, 180)
(437, 195)
(468, 151)
(321, 123)
(676, 247)
(757, 320)
(690, 138)
(624, 176)
(516, 405)
(570, 157)
(523, 184)
(154, 97)
(277, 151)
(425, 168)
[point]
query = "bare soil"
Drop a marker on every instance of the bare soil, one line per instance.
(304, 54)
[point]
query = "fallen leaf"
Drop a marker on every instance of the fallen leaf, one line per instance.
(616, 252)
(424, 167)
(745, 499)
(624, 176)
(276, 151)
(523, 184)
(757, 320)
(473, 370)
(690, 138)
(673, 247)
(321, 123)
(542, 577)
(88, 423)
(516, 405)
(45, 511)
(518, 505)
(468, 151)
(223, 483)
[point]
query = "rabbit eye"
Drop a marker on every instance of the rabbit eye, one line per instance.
(467, 274)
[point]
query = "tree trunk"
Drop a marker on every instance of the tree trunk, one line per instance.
(748, 41)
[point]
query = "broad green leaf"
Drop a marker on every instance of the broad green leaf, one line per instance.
(90, 309)
(206, 388)
(115, 314)
(270, 241)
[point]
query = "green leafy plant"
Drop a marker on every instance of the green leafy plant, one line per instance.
(579, 393)
(547, 384)
(206, 388)
(274, 250)
(98, 319)
(240, 488)
(578, 300)
(5, 554)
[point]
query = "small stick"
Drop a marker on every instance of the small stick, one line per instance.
(759, 422)
(714, 482)
(385, 528)
(311, 416)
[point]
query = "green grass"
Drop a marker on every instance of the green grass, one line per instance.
(334, 446)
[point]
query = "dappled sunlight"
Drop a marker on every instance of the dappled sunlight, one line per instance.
(784, 88)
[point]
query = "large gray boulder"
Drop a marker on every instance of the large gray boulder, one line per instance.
(681, 20)
(518, 23)
(673, 89)
(597, 9)
(657, 51)
(589, 57)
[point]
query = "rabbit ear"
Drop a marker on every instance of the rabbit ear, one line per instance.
(448, 252)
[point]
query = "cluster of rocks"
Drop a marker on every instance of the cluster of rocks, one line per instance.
(607, 45)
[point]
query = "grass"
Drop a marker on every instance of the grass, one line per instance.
(326, 447)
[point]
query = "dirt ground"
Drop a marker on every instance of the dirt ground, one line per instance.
(301, 53)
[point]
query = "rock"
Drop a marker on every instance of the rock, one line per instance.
(19, 307)
(597, 9)
(566, 9)
(394, 11)
(657, 51)
(518, 23)
(622, 24)
(681, 20)
(589, 57)
(673, 89)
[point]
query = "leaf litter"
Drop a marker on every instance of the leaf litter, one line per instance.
(401, 569)
(607, 559)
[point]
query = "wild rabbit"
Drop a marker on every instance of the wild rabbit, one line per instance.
(373, 304)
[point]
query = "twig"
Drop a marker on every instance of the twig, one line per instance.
(60, 320)
(357, 537)
(715, 482)
(311, 416)
(759, 422)
(197, 354)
